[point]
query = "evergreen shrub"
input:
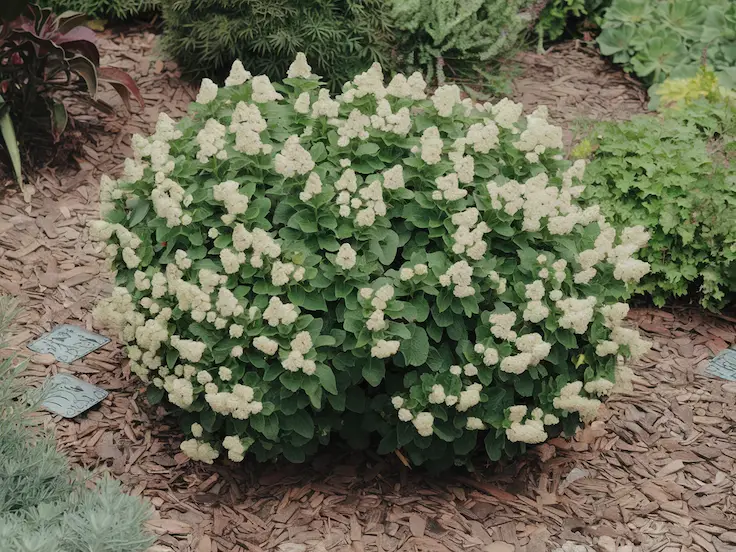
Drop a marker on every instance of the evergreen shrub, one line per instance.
(457, 33)
(385, 264)
(339, 37)
(118, 10)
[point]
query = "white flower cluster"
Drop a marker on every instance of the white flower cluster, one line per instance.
(237, 403)
(468, 238)
(199, 451)
(238, 75)
(570, 399)
(501, 325)
(448, 188)
(461, 275)
(300, 68)
(577, 314)
(387, 121)
(346, 257)
(445, 98)
(281, 273)
(247, 123)
(403, 87)
(431, 146)
(531, 431)
(211, 141)
(234, 447)
(228, 193)
(379, 302)
(293, 159)
(295, 361)
(278, 313)
(532, 350)
(507, 113)
(312, 187)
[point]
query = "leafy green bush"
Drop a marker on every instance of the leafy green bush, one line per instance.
(291, 266)
(339, 37)
(105, 9)
(677, 93)
(43, 505)
(673, 175)
(557, 16)
(439, 32)
(656, 38)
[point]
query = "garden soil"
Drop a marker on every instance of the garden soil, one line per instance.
(657, 471)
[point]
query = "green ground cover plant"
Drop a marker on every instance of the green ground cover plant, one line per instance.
(674, 173)
(655, 39)
(45, 505)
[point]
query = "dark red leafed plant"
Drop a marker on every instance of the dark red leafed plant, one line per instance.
(44, 60)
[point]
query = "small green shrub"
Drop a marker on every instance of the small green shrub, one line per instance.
(119, 10)
(675, 174)
(44, 506)
(385, 264)
(656, 39)
(558, 15)
(677, 93)
(457, 32)
(339, 37)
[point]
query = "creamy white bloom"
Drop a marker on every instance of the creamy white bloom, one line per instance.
(445, 98)
(299, 68)
(266, 345)
(199, 451)
(346, 257)
(384, 348)
(228, 193)
(238, 75)
(263, 90)
(432, 146)
(293, 159)
(301, 105)
(424, 424)
(506, 113)
(207, 92)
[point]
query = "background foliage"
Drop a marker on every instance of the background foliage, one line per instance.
(457, 33)
(656, 38)
(46, 60)
(45, 506)
(339, 37)
(104, 9)
(676, 175)
(560, 15)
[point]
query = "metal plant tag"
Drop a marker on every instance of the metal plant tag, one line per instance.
(69, 396)
(723, 365)
(68, 343)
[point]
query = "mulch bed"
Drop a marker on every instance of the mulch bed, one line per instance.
(578, 86)
(655, 474)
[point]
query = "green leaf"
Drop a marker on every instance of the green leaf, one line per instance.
(154, 395)
(415, 349)
(374, 370)
(326, 378)
(300, 423)
(139, 212)
(494, 446)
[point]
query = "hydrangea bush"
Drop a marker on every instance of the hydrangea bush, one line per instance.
(384, 264)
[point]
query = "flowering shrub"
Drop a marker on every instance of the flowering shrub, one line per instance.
(292, 265)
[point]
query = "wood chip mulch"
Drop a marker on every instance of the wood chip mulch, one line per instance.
(578, 86)
(656, 474)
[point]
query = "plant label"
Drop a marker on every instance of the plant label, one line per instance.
(68, 343)
(69, 396)
(723, 365)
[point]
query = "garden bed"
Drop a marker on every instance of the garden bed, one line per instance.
(657, 471)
